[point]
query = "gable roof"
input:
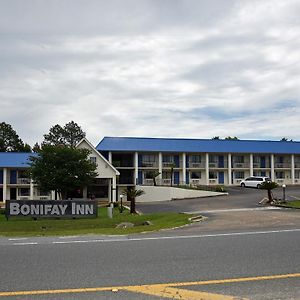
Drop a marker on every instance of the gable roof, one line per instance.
(99, 154)
(197, 145)
(15, 159)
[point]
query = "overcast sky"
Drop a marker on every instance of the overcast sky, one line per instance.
(156, 68)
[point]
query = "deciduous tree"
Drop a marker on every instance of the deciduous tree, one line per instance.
(62, 169)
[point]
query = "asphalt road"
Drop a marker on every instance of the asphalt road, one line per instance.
(241, 250)
(64, 263)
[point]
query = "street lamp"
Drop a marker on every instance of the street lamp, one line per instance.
(283, 192)
(121, 198)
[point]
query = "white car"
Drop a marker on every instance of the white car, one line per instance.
(254, 181)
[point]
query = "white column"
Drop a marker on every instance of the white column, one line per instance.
(229, 169)
(136, 167)
(31, 190)
(251, 164)
(109, 191)
(160, 166)
(293, 168)
(184, 168)
(272, 168)
(114, 189)
(110, 156)
(84, 193)
(207, 168)
(53, 195)
(4, 184)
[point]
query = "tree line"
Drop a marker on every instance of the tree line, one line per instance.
(69, 135)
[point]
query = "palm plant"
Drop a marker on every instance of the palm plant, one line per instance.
(269, 186)
(153, 175)
(131, 194)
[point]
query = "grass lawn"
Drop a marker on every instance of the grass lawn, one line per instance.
(101, 225)
(291, 204)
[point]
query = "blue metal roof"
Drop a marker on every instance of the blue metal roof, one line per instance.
(197, 145)
(15, 159)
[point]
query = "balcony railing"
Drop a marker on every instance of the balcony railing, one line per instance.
(168, 164)
(213, 164)
(282, 165)
(23, 181)
(259, 166)
(147, 164)
(23, 197)
(219, 165)
(44, 198)
(122, 164)
(241, 165)
(148, 181)
(196, 165)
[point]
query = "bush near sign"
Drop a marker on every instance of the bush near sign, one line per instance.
(51, 208)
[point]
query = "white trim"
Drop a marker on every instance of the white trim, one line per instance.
(98, 153)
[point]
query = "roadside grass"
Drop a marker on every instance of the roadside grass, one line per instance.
(291, 204)
(101, 225)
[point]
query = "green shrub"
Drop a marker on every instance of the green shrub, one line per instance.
(220, 189)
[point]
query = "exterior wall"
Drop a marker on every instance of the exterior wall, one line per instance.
(103, 169)
(168, 193)
(15, 186)
(14, 183)
(213, 168)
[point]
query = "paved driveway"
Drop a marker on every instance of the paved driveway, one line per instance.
(238, 198)
(237, 211)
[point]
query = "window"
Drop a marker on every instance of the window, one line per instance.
(22, 174)
(195, 175)
(168, 158)
(195, 159)
(279, 175)
(149, 158)
(238, 159)
(279, 159)
(166, 175)
(213, 159)
(23, 192)
(213, 175)
(256, 159)
(239, 175)
(93, 159)
(148, 175)
(42, 193)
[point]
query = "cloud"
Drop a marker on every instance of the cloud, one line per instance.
(151, 68)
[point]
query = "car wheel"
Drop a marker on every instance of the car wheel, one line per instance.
(243, 185)
(259, 186)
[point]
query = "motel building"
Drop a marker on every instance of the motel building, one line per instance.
(124, 162)
(200, 161)
(15, 185)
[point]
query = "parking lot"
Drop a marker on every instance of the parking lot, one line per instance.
(239, 210)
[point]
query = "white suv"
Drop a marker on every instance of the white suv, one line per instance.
(254, 181)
